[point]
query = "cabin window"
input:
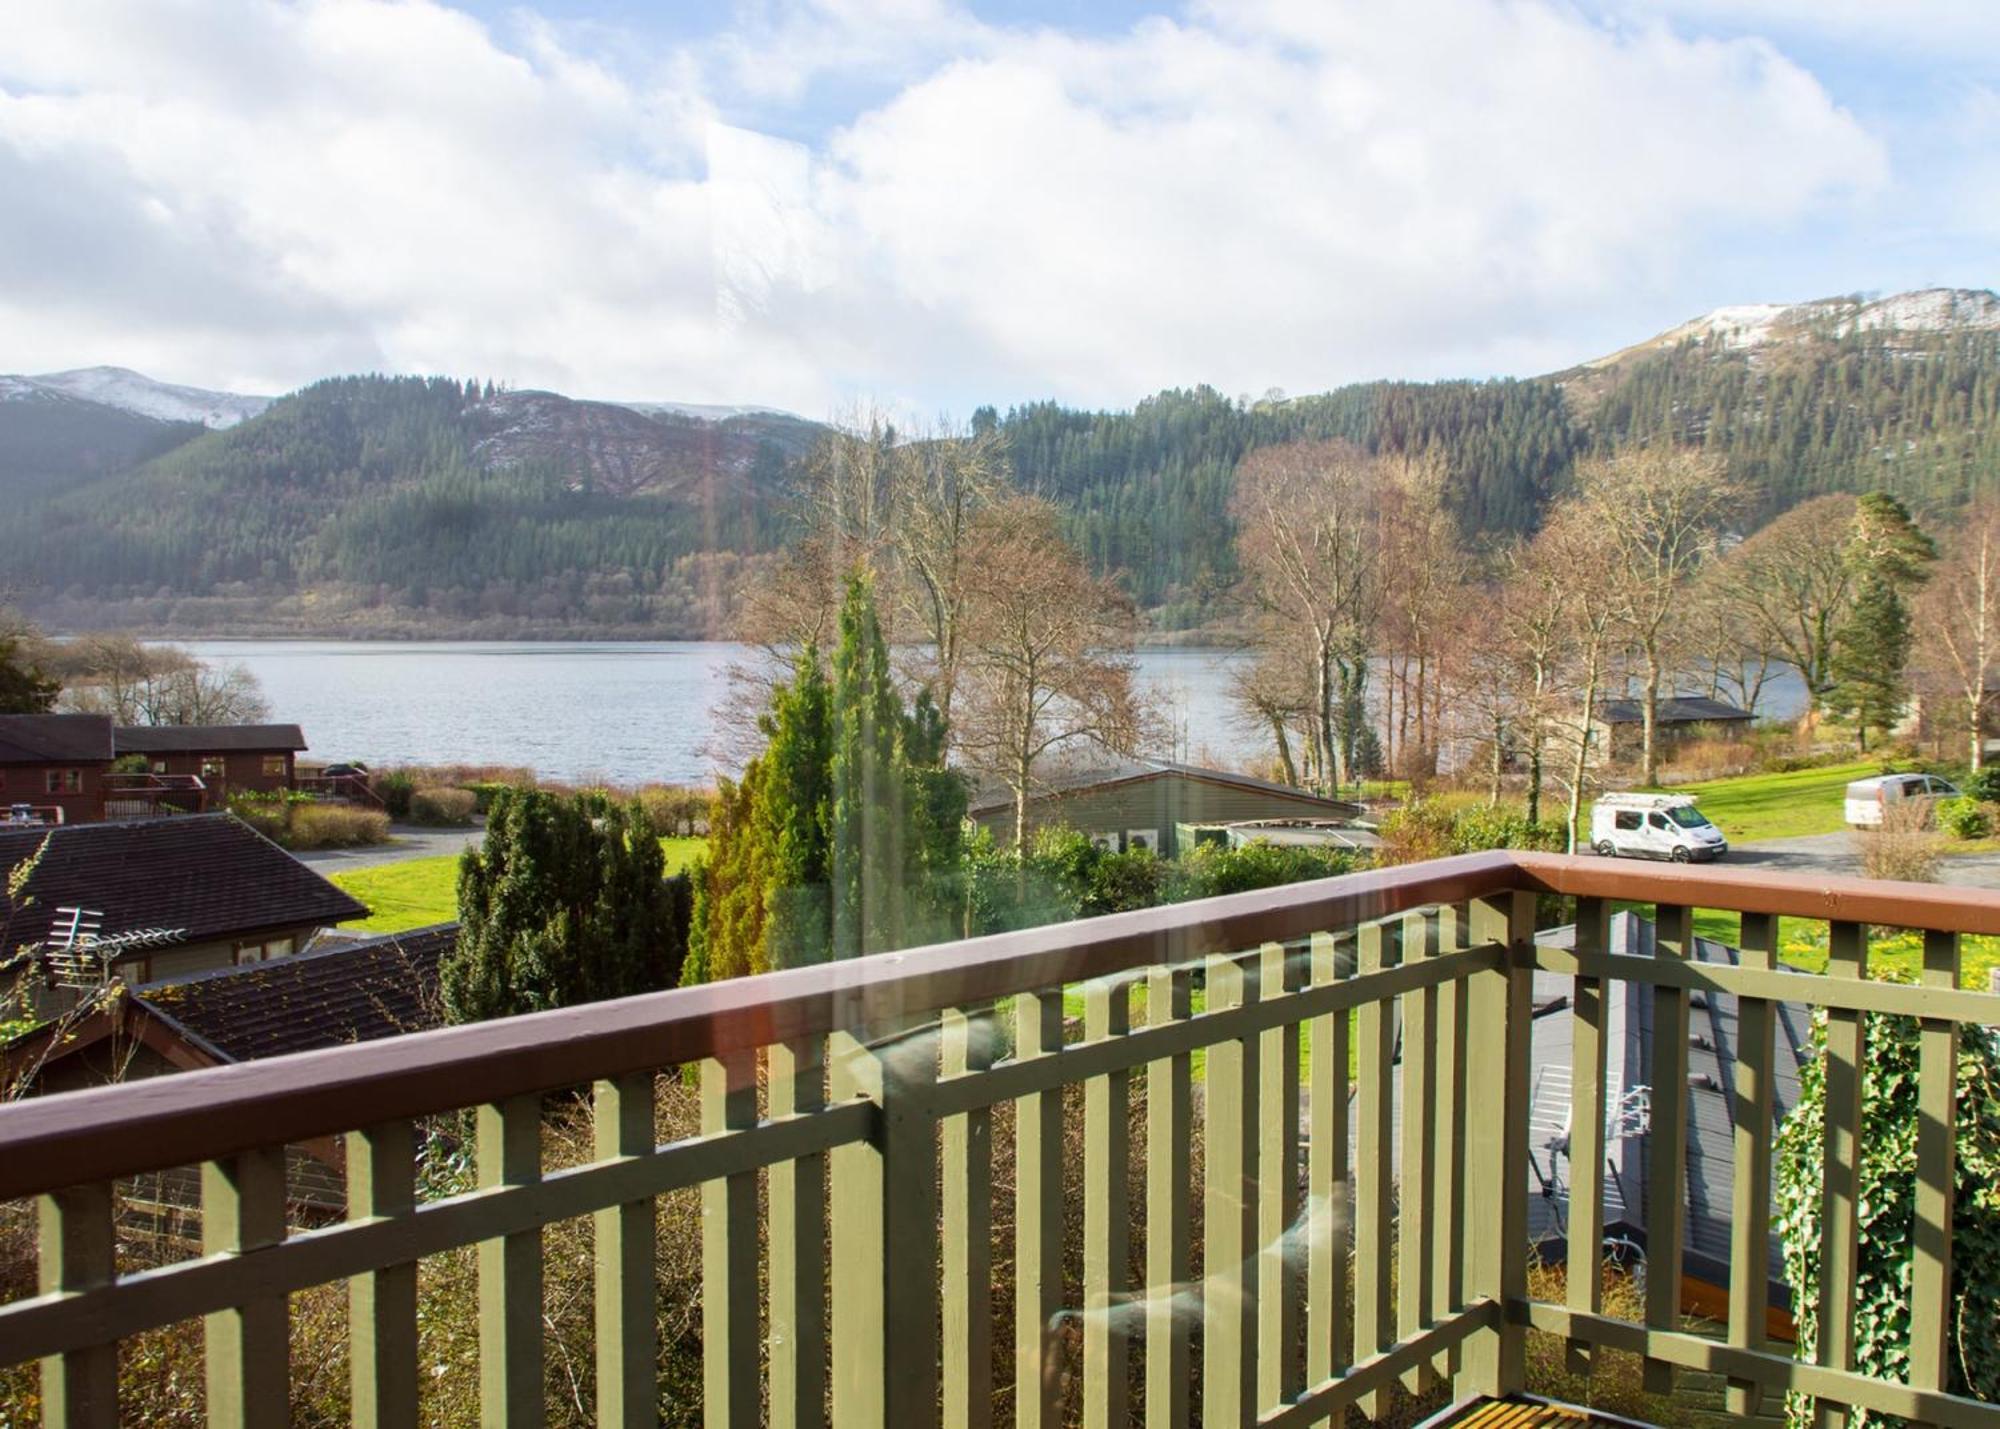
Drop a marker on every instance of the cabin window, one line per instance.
(247, 953)
(159, 766)
(1136, 839)
(1626, 820)
(211, 766)
(65, 781)
(274, 766)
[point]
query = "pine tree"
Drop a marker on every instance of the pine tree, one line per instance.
(870, 793)
(791, 820)
(1891, 558)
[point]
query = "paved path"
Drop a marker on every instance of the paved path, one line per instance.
(411, 841)
(1834, 854)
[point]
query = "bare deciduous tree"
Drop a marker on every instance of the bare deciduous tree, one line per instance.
(1425, 572)
(945, 481)
(1788, 586)
(1958, 621)
(1659, 509)
(1309, 539)
(137, 684)
(1042, 663)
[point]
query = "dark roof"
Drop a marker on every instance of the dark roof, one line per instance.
(1118, 769)
(1628, 1035)
(1676, 709)
(207, 738)
(203, 875)
(54, 739)
(352, 992)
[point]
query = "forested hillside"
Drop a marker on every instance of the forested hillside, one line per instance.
(401, 505)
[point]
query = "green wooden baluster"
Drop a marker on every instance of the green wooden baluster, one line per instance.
(1840, 1225)
(382, 1304)
(1666, 1142)
(1937, 1174)
(79, 1252)
(968, 1230)
(1229, 1212)
(1107, 1216)
(625, 1298)
(1586, 1130)
(797, 1192)
(1038, 1216)
(1448, 1164)
(1327, 1289)
(1374, 1171)
(729, 1252)
(1169, 1169)
(510, 1272)
(1280, 1373)
(1750, 1198)
(1414, 1189)
(247, 1347)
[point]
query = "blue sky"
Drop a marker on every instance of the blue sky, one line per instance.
(820, 204)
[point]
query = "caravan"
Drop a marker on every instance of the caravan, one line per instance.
(1654, 826)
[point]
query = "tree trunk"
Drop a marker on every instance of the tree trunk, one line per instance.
(1499, 738)
(1649, 754)
(1976, 708)
(1582, 761)
(1284, 750)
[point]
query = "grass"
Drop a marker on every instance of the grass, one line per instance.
(1780, 806)
(1802, 944)
(417, 892)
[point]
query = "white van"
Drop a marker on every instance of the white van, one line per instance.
(1654, 826)
(1867, 798)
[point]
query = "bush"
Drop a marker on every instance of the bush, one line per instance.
(675, 811)
(269, 814)
(1888, 1142)
(1984, 786)
(485, 791)
(395, 789)
(335, 826)
(1906, 848)
(1964, 818)
(1435, 828)
(441, 808)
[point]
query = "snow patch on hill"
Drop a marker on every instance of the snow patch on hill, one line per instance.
(135, 392)
(1752, 325)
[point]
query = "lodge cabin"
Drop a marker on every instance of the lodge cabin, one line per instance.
(53, 767)
(227, 758)
(1618, 732)
(1126, 804)
(151, 899)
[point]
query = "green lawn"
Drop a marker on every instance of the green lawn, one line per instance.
(1779, 806)
(421, 891)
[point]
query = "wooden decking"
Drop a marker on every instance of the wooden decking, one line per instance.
(1521, 1413)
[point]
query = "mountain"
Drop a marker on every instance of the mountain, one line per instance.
(376, 505)
(128, 391)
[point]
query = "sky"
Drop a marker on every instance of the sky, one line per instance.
(926, 206)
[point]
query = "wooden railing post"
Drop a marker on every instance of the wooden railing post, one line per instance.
(510, 1272)
(1169, 1169)
(1750, 1201)
(1107, 1216)
(1448, 1168)
(1414, 1189)
(1038, 1215)
(247, 1347)
(1937, 1175)
(1374, 1170)
(1496, 1169)
(885, 1236)
(382, 1305)
(1666, 1141)
(967, 1213)
(730, 1369)
(797, 1190)
(1280, 1372)
(1328, 1184)
(1840, 1203)
(1585, 1253)
(625, 1295)
(79, 1252)
(1229, 1211)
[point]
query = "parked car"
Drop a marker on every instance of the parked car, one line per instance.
(1654, 826)
(1867, 799)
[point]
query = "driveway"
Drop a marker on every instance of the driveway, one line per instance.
(1834, 854)
(408, 841)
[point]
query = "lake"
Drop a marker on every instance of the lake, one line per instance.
(627, 712)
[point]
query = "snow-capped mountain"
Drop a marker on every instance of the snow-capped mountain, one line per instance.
(1754, 325)
(703, 411)
(134, 392)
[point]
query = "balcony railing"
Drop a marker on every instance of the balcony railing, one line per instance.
(862, 1291)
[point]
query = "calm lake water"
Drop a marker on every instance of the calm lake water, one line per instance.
(630, 712)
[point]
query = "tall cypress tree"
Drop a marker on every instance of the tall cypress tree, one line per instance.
(23, 687)
(791, 820)
(871, 885)
(1891, 557)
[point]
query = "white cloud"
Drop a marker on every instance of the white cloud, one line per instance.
(1253, 194)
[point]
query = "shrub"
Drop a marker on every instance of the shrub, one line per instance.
(442, 807)
(395, 789)
(1212, 870)
(1984, 786)
(1434, 828)
(1888, 1142)
(1964, 818)
(1120, 882)
(335, 826)
(269, 814)
(675, 811)
(1905, 847)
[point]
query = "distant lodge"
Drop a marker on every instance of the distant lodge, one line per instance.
(80, 768)
(1618, 732)
(1126, 804)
